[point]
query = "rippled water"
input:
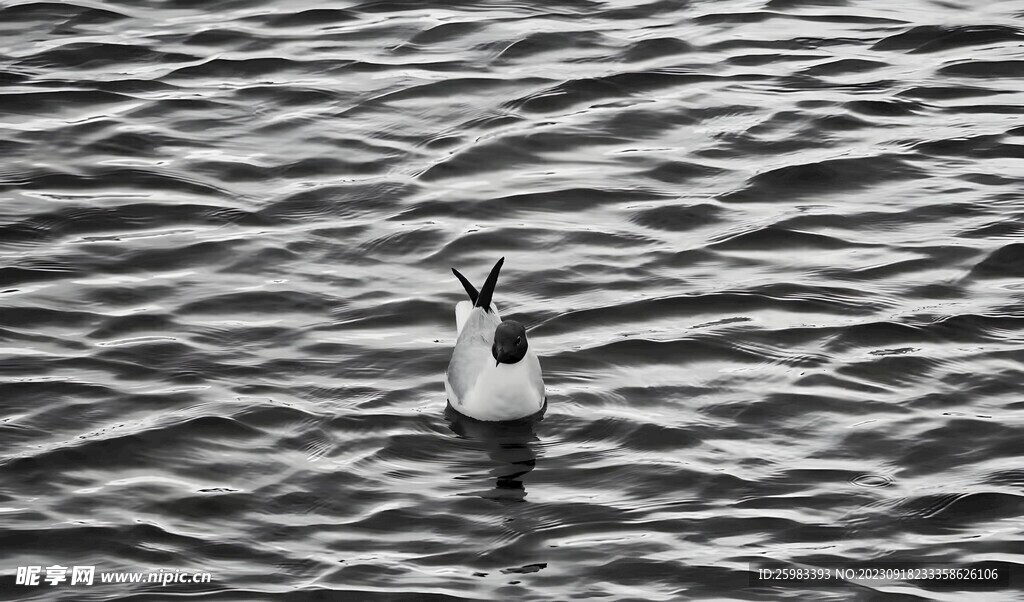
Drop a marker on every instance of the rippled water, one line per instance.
(771, 254)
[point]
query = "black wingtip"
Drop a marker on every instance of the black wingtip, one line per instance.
(487, 291)
(473, 294)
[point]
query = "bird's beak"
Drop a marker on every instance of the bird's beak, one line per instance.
(496, 362)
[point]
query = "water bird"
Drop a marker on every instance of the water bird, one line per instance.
(493, 375)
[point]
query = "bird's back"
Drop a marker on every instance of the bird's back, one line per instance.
(472, 353)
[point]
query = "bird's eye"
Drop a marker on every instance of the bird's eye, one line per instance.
(519, 340)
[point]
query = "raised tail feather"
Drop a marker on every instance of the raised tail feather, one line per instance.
(483, 297)
(466, 284)
(484, 301)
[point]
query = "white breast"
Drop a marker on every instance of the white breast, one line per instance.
(479, 389)
(503, 392)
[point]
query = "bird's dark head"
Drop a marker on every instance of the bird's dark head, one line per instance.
(509, 342)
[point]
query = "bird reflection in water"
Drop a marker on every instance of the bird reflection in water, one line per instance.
(511, 447)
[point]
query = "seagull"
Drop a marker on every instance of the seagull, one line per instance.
(493, 374)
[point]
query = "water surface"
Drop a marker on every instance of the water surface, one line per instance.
(771, 254)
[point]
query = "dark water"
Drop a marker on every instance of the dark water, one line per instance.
(771, 254)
